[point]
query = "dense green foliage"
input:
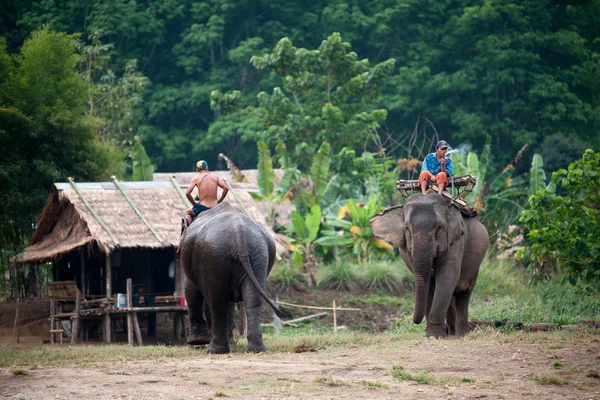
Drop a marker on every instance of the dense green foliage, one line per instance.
(519, 71)
(565, 229)
(45, 134)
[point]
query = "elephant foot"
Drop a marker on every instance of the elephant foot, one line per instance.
(256, 348)
(196, 338)
(435, 332)
(216, 349)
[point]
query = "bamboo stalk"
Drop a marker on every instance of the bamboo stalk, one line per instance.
(138, 332)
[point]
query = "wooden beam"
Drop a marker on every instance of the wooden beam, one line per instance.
(136, 328)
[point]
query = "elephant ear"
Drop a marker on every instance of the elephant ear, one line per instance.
(456, 226)
(389, 225)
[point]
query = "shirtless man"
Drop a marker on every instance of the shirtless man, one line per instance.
(206, 183)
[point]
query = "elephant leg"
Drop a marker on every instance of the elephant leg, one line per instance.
(462, 313)
(219, 306)
(430, 298)
(451, 318)
(198, 330)
(446, 278)
(252, 303)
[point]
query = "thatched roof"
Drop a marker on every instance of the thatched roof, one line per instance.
(67, 223)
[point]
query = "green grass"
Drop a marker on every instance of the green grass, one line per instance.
(550, 380)
(371, 384)
(329, 381)
(19, 372)
(558, 365)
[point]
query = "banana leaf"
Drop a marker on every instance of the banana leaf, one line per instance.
(334, 241)
(473, 166)
(266, 174)
(319, 171)
(299, 225)
(537, 177)
(338, 223)
(313, 222)
(142, 168)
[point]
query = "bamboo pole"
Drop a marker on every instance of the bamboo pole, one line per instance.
(334, 318)
(319, 308)
(137, 210)
(83, 272)
(129, 315)
(293, 321)
(52, 324)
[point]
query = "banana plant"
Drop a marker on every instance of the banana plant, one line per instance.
(312, 189)
(303, 233)
(355, 231)
(142, 168)
(270, 190)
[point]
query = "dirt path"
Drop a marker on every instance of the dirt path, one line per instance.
(484, 366)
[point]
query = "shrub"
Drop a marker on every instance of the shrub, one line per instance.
(383, 276)
(339, 276)
(286, 277)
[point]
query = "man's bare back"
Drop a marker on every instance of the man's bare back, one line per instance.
(206, 184)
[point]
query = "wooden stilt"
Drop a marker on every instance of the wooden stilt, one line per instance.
(52, 324)
(138, 332)
(129, 316)
(107, 317)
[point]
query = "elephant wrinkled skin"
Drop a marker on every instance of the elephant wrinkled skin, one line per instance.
(226, 257)
(444, 250)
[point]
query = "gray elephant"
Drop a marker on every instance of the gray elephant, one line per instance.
(444, 250)
(226, 258)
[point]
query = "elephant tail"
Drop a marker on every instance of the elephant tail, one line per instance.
(281, 312)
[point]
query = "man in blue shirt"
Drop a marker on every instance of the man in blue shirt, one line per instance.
(437, 167)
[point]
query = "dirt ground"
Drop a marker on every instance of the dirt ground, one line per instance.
(484, 365)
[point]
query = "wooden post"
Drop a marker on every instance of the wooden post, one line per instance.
(16, 328)
(75, 318)
(52, 312)
(83, 272)
(107, 317)
(334, 318)
(129, 316)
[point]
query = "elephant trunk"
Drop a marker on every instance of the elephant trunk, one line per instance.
(422, 262)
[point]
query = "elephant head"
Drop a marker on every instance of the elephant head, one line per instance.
(424, 228)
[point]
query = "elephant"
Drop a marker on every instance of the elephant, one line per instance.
(226, 258)
(444, 251)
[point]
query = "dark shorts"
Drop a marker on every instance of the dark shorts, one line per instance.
(198, 208)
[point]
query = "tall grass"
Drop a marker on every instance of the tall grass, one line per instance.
(503, 291)
(340, 276)
(385, 277)
(285, 277)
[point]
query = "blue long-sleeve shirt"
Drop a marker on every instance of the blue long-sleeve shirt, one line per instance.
(434, 166)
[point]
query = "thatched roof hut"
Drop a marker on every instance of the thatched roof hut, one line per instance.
(112, 222)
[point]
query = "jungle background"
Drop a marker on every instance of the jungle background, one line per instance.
(346, 97)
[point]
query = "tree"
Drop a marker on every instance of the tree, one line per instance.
(326, 98)
(565, 229)
(45, 133)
